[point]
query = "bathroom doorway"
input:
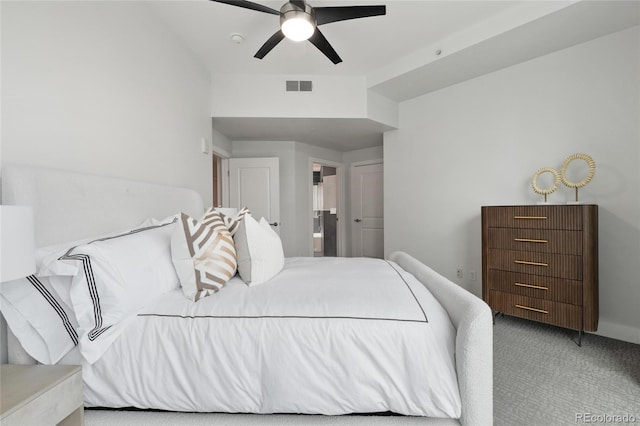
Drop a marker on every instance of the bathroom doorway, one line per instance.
(325, 210)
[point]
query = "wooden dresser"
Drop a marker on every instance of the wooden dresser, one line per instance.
(540, 262)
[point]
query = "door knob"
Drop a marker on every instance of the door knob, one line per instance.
(274, 224)
(357, 220)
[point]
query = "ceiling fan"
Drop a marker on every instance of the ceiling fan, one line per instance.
(299, 21)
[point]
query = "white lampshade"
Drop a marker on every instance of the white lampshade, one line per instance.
(227, 211)
(17, 254)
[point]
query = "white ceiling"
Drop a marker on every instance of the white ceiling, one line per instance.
(363, 44)
(395, 52)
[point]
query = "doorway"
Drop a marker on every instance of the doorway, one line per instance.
(325, 210)
(216, 171)
(367, 209)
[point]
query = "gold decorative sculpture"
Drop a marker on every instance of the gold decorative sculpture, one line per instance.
(545, 191)
(583, 182)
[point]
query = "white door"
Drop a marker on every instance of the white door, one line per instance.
(255, 183)
(367, 211)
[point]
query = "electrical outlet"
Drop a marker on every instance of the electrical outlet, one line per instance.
(472, 275)
(459, 273)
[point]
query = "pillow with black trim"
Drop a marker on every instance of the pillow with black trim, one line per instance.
(204, 257)
(43, 323)
(217, 220)
(119, 275)
(60, 273)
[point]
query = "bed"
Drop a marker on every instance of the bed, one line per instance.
(324, 336)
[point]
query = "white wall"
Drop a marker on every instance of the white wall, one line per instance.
(265, 96)
(221, 144)
(382, 109)
(479, 143)
(103, 88)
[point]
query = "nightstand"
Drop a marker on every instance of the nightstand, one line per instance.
(41, 395)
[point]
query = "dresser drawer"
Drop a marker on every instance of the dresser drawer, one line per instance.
(539, 240)
(546, 264)
(548, 288)
(560, 314)
(535, 217)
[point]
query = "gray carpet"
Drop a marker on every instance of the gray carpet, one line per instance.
(541, 377)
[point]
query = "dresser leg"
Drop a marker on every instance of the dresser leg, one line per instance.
(579, 340)
(495, 315)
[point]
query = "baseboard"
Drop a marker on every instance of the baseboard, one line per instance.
(618, 331)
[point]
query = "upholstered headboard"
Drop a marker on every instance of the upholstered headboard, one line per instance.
(68, 206)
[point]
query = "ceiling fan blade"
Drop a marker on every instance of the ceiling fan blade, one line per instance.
(249, 5)
(270, 44)
(323, 45)
(326, 15)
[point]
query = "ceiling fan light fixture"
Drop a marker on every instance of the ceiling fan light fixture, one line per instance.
(297, 24)
(297, 29)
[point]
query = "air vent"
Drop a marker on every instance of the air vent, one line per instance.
(299, 85)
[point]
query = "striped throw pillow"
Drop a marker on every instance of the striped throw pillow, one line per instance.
(204, 257)
(218, 220)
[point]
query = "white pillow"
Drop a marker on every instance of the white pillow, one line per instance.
(259, 251)
(119, 276)
(60, 273)
(204, 258)
(45, 326)
(48, 258)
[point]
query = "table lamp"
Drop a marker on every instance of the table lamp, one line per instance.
(17, 254)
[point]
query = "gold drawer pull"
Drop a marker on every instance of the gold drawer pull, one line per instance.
(531, 217)
(524, 262)
(542, 311)
(538, 287)
(529, 240)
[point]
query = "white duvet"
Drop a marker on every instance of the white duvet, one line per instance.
(325, 336)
